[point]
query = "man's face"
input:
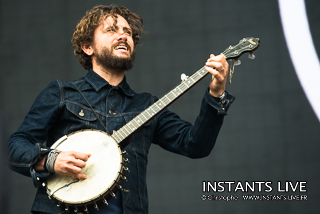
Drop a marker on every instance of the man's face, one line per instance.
(113, 45)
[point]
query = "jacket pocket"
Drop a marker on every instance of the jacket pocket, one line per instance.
(81, 117)
(81, 112)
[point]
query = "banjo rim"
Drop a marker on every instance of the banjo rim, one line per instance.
(104, 194)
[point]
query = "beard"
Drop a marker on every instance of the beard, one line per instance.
(108, 60)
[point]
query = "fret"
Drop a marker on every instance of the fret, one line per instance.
(167, 98)
(171, 95)
(162, 103)
(202, 71)
(179, 89)
(142, 114)
(128, 127)
(148, 112)
(176, 92)
(116, 137)
(139, 120)
(127, 130)
(119, 131)
(188, 82)
(134, 121)
(124, 129)
(122, 138)
(196, 76)
(185, 86)
(154, 109)
(193, 79)
(158, 104)
(132, 127)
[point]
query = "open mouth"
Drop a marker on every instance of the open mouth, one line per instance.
(121, 47)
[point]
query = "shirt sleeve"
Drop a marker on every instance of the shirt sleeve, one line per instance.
(197, 140)
(27, 145)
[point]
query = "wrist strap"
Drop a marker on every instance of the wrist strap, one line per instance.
(50, 160)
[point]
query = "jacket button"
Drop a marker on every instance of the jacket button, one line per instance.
(81, 113)
(111, 112)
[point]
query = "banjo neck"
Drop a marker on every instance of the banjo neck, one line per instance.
(248, 44)
(158, 106)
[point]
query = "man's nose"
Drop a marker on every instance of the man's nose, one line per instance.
(123, 37)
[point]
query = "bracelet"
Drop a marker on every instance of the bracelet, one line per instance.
(222, 98)
(222, 95)
(50, 160)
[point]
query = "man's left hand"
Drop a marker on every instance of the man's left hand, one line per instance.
(218, 67)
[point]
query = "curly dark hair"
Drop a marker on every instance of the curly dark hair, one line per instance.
(84, 31)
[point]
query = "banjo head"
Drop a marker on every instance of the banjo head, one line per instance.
(103, 169)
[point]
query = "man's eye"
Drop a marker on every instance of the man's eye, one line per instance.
(128, 32)
(110, 30)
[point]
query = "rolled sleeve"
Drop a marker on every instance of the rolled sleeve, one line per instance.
(214, 102)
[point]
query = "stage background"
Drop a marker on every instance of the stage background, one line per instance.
(270, 133)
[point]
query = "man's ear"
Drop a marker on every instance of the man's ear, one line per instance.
(87, 49)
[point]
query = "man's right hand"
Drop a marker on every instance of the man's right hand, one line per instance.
(71, 164)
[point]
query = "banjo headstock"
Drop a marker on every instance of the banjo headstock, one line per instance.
(248, 44)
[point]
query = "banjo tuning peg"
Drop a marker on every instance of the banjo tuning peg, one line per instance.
(251, 56)
(237, 62)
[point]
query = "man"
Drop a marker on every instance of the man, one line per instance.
(104, 42)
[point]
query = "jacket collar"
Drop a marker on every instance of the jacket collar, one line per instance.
(97, 82)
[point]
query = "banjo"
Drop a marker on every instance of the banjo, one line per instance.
(106, 168)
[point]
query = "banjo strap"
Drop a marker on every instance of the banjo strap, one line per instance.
(90, 106)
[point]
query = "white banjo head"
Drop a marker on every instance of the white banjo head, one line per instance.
(103, 168)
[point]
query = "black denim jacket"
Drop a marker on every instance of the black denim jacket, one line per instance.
(55, 113)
